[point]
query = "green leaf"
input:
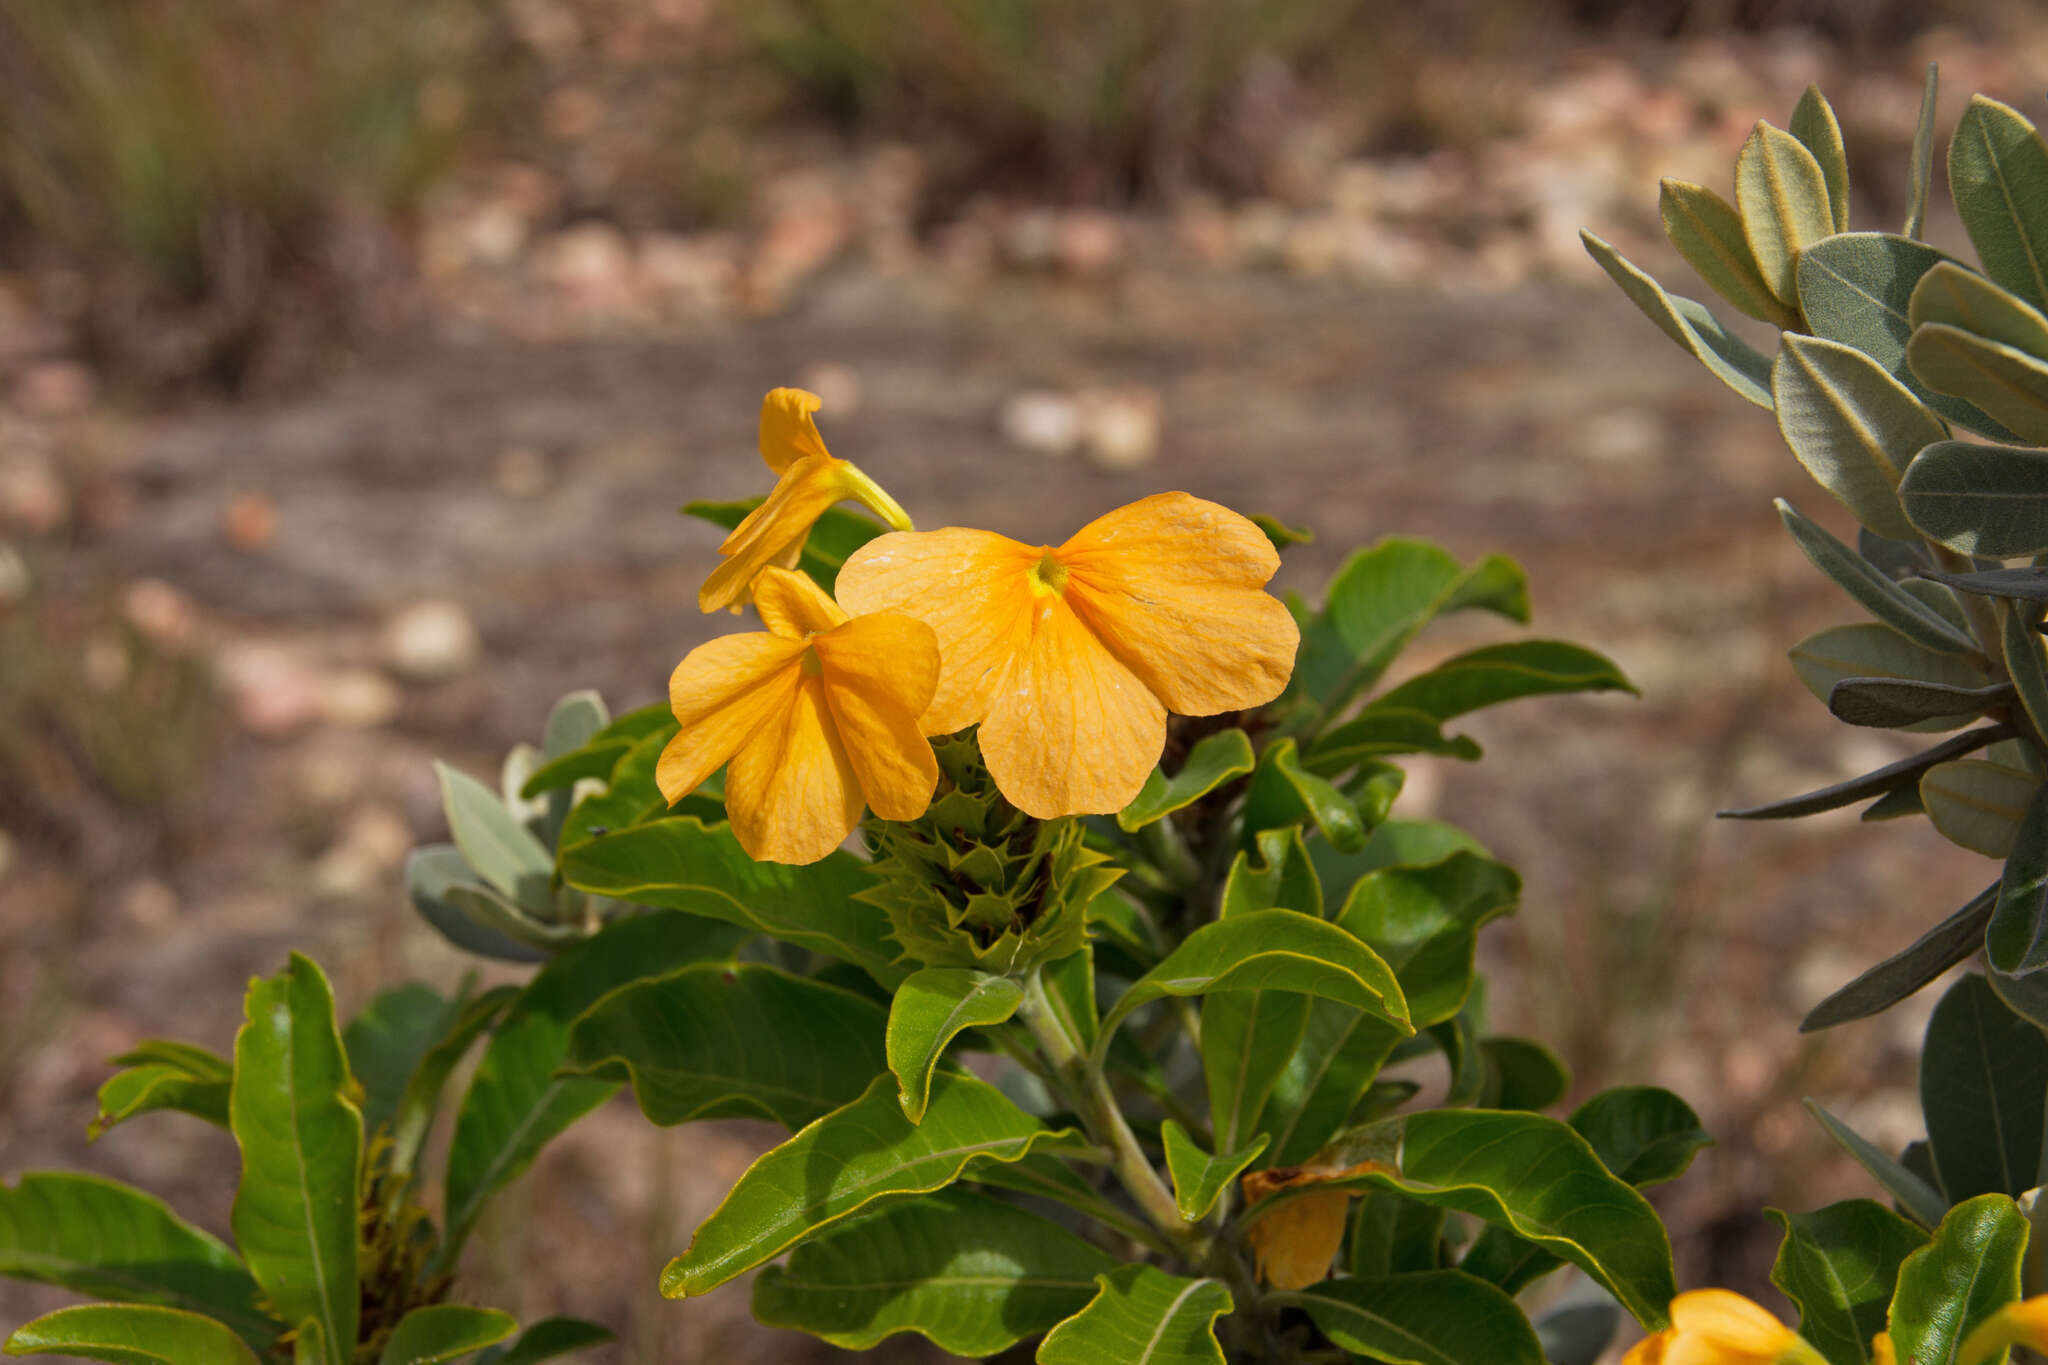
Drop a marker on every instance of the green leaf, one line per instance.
(99, 1237)
(1505, 672)
(1142, 1316)
(2008, 384)
(1707, 231)
(1853, 426)
(632, 797)
(1198, 1178)
(1730, 359)
(1341, 1051)
(1838, 1264)
(732, 1040)
(309, 1345)
(546, 1340)
(1279, 950)
(1433, 1317)
(1522, 1073)
(1961, 298)
(1783, 195)
(1979, 499)
(1281, 875)
(1998, 176)
(1978, 804)
(420, 1103)
(1813, 123)
(685, 865)
(1215, 760)
(1906, 971)
(858, 1154)
(442, 1331)
(432, 871)
(1921, 1201)
(2027, 584)
(1424, 922)
(837, 534)
(129, 1334)
(1530, 1174)
(1983, 1082)
(974, 1274)
(1247, 1039)
(2016, 941)
(302, 1152)
(1870, 650)
(1283, 793)
(1920, 168)
(386, 1041)
(518, 1101)
(503, 852)
(1877, 782)
(598, 756)
(1642, 1133)
(1968, 1272)
(1280, 533)
(931, 1007)
(1893, 705)
(1381, 731)
(1392, 1234)
(163, 1074)
(492, 912)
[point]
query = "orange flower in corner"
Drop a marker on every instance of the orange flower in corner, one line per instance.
(816, 717)
(1069, 658)
(812, 480)
(1720, 1327)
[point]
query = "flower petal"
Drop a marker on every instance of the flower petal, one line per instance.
(790, 793)
(1725, 1319)
(1174, 585)
(788, 433)
(879, 674)
(773, 532)
(722, 693)
(1650, 1350)
(970, 587)
(793, 606)
(1071, 731)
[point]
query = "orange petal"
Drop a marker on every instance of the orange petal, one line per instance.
(879, 673)
(1725, 1319)
(1650, 1350)
(793, 606)
(790, 793)
(1881, 1350)
(970, 587)
(1071, 731)
(1295, 1243)
(1174, 586)
(788, 433)
(722, 693)
(774, 532)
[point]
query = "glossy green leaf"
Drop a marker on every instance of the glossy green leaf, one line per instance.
(1968, 1272)
(1434, 1317)
(1280, 874)
(1642, 1133)
(1530, 1174)
(1522, 1073)
(1383, 731)
(1838, 1264)
(1391, 1234)
(309, 1345)
(1873, 590)
(845, 1162)
(600, 754)
(837, 534)
(1783, 195)
(386, 1041)
(1505, 672)
(973, 1274)
(432, 871)
(1247, 1039)
(302, 1151)
(1142, 1316)
(1983, 1083)
(1813, 123)
(501, 850)
(1961, 298)
(1313, 1095)
(1280, 533)
(631, 798)
(686, 865)
(2008, 384)
(1283, 793)
(1870, 650)
(1906, 971)
(1920, 165)
(931, 1008)
(95, 1236)
(518, 1100)
(1853, 426)
(1998, 176)
(163, 1074)
(548, 1339)
(1920, 1200)
(1978, 804)
(1424, 923)
(420, 1103)
(1980, 499)
(1215, 760)
(1731, 359)
(732, 1040)
(1877, 782)
(442, 1331)
(1279, 950)
(1199, 1179)
(131, 1334)
(1707, 232)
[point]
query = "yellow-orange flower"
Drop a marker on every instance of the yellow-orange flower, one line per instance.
(816, 718)
(2024, 1323)
(811, 481)
(1719, 1327)
(1069, 658)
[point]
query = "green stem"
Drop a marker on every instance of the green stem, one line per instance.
(1165, 849)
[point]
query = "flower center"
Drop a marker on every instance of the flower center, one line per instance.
(1048, 576)
(812, 665)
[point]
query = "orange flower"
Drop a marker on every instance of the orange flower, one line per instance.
(2022, 1323)
(812, 480)
(1719, 1327)
(1069, 658)
(817, 718)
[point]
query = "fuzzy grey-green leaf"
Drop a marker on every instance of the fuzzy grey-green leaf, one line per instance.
(2005, 382)
(1783, 196)
(1707, 231)
(1998, 176)
(1731, 359)
(1962, 298)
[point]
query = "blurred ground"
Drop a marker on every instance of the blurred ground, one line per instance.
(235, 630)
